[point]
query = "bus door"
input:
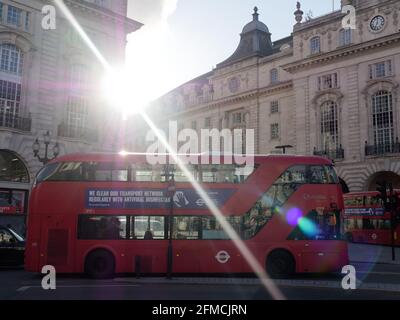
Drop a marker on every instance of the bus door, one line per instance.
(217, 253)
(219, 256)
(55, 244)
(319, 252)
(149, 253)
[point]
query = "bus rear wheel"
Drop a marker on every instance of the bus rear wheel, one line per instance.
(100, 264)
(280, 264)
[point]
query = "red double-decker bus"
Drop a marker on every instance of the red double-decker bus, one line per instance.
(366, 221)
(107, 213)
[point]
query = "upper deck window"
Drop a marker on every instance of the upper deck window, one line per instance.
(142, 172)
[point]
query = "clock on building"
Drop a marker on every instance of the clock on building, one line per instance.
(377, 23)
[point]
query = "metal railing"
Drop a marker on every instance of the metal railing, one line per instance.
(15, 122)
(381, 149)
(79, 133)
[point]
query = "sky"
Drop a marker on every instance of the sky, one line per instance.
(183, 39)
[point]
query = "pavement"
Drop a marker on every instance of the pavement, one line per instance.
(378, 278)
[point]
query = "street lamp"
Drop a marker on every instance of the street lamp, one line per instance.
(170, 178)
(46, 141)
(283, 148)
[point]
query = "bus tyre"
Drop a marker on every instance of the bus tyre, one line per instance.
(280, 264)
(100, 264)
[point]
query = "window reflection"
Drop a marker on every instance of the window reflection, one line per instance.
(101, 227)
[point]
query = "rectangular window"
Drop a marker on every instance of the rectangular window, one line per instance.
(27, 21)
(274, 75)
(105, 171)
(143, 172)
(329, 81)
(14, 16)
(101, 227)
(212, 229)
(194, 125)
(315, 45)
(380, 70)
(1, 11)
(345, 36)
(11, 59)
(147, 228)
(101, 3)
(237, 118)
(10, 97)
(274, 107)
(207, 122)
(68, 171)
(275, 131)
(186, 228)
(77, 116)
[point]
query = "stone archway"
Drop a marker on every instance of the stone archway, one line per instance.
(12, 167)
(383, 176)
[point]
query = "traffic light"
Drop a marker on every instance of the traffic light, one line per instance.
(382, 188)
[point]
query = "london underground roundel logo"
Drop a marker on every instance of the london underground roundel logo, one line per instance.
(222, 257)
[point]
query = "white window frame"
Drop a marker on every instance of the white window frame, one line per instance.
(274, 75)
(329, 126)
(381, 69)
(14, 16)
(77, 114)
(11, 59)
(275, 131)
(274, 107)
(383, 135)
(315, 45)
(345, 37)
(328, 81)
(10, 106)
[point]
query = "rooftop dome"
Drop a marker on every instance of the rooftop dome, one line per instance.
(255, 40)
(255, 24)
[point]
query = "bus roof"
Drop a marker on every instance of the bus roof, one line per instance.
(131, 157)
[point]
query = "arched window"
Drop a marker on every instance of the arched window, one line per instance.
(329, 126)
(11, 59)
(12, 168)
(382, 118)
(315, 45)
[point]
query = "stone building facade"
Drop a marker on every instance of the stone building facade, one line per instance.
(49, 82)
(324, 90)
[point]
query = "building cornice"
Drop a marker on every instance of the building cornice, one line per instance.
(245, 96)
(340, 53)
(104, 13)
(338, 15)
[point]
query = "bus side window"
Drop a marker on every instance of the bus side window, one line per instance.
(367, 224)
(186, 228)
(68, 171)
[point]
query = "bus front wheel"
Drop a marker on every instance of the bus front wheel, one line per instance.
(280, 264)
(100, 264)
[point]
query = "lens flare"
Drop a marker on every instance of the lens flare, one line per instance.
(293, 216)
(308, 227)
(247, 254)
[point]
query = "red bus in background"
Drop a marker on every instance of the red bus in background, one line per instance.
(366, 221)
(12, 201)
(108, 213)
